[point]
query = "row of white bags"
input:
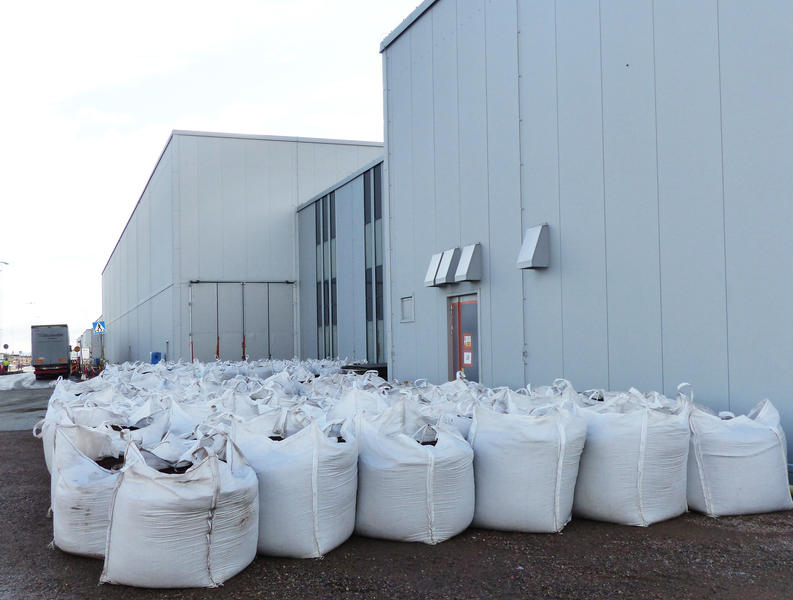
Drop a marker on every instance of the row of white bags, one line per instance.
(525, 464)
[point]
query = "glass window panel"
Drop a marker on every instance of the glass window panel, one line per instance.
(326, 259)
(320, 342)
(335, 341)
(332, 215)
(368, 246)
(333, 257)
(379, 292)
(319, 303)
(378, 192)
(380, 341)
(317, 224)
(378, 242)
(369, 316)
(371, 354)
(333, 318)
(319, 262)
(327, 341)
(325, 219)
(367, 198)
(326, 303)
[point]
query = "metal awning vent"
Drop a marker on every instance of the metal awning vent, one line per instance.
(432, 270)
(469, 268)
(455, 265)
(448, 266)
(535, 253)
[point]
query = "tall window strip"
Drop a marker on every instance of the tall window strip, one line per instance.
(373, 240)
(378, 262)
(325, 232)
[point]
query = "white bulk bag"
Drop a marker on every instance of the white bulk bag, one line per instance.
(355, 401)
(633, 468)
(194, 529)
(307, 486)
(738, 465)
(525, 469)
(80, 490)
(45, 431)
(149, 431)
(408, 491)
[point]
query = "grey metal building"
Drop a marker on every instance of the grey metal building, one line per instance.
(341, 271)
(207, 264)
(654, 139)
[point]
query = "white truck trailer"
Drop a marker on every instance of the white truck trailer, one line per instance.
(50, 350)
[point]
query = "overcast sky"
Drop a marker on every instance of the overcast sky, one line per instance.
(92, 90)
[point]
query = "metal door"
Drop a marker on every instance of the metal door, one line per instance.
(281, 319)
(464, 336)
(204, 321)
(256, 309)
(231, 320)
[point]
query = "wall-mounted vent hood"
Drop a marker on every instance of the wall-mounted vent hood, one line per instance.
(432, 270)
(448, 266)
(469, 268)
(455, 265)
(535, 253)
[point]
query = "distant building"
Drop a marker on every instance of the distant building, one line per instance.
(207, 264)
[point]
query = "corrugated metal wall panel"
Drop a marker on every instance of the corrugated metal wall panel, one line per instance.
(404, 252)
(138, 270)
(756, 52)
(307, 282)
(161, 323)
(542, 309)
(446, 167)
(631, 184)
(423, 212)
(234, 179)
(691, 198)
(581, 223)
(504, 346)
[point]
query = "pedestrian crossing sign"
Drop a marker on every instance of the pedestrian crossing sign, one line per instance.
(99, 327)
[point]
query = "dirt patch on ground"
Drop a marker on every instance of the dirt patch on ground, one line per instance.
(694, 557)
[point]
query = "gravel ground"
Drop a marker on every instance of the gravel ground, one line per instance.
(689, 557)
